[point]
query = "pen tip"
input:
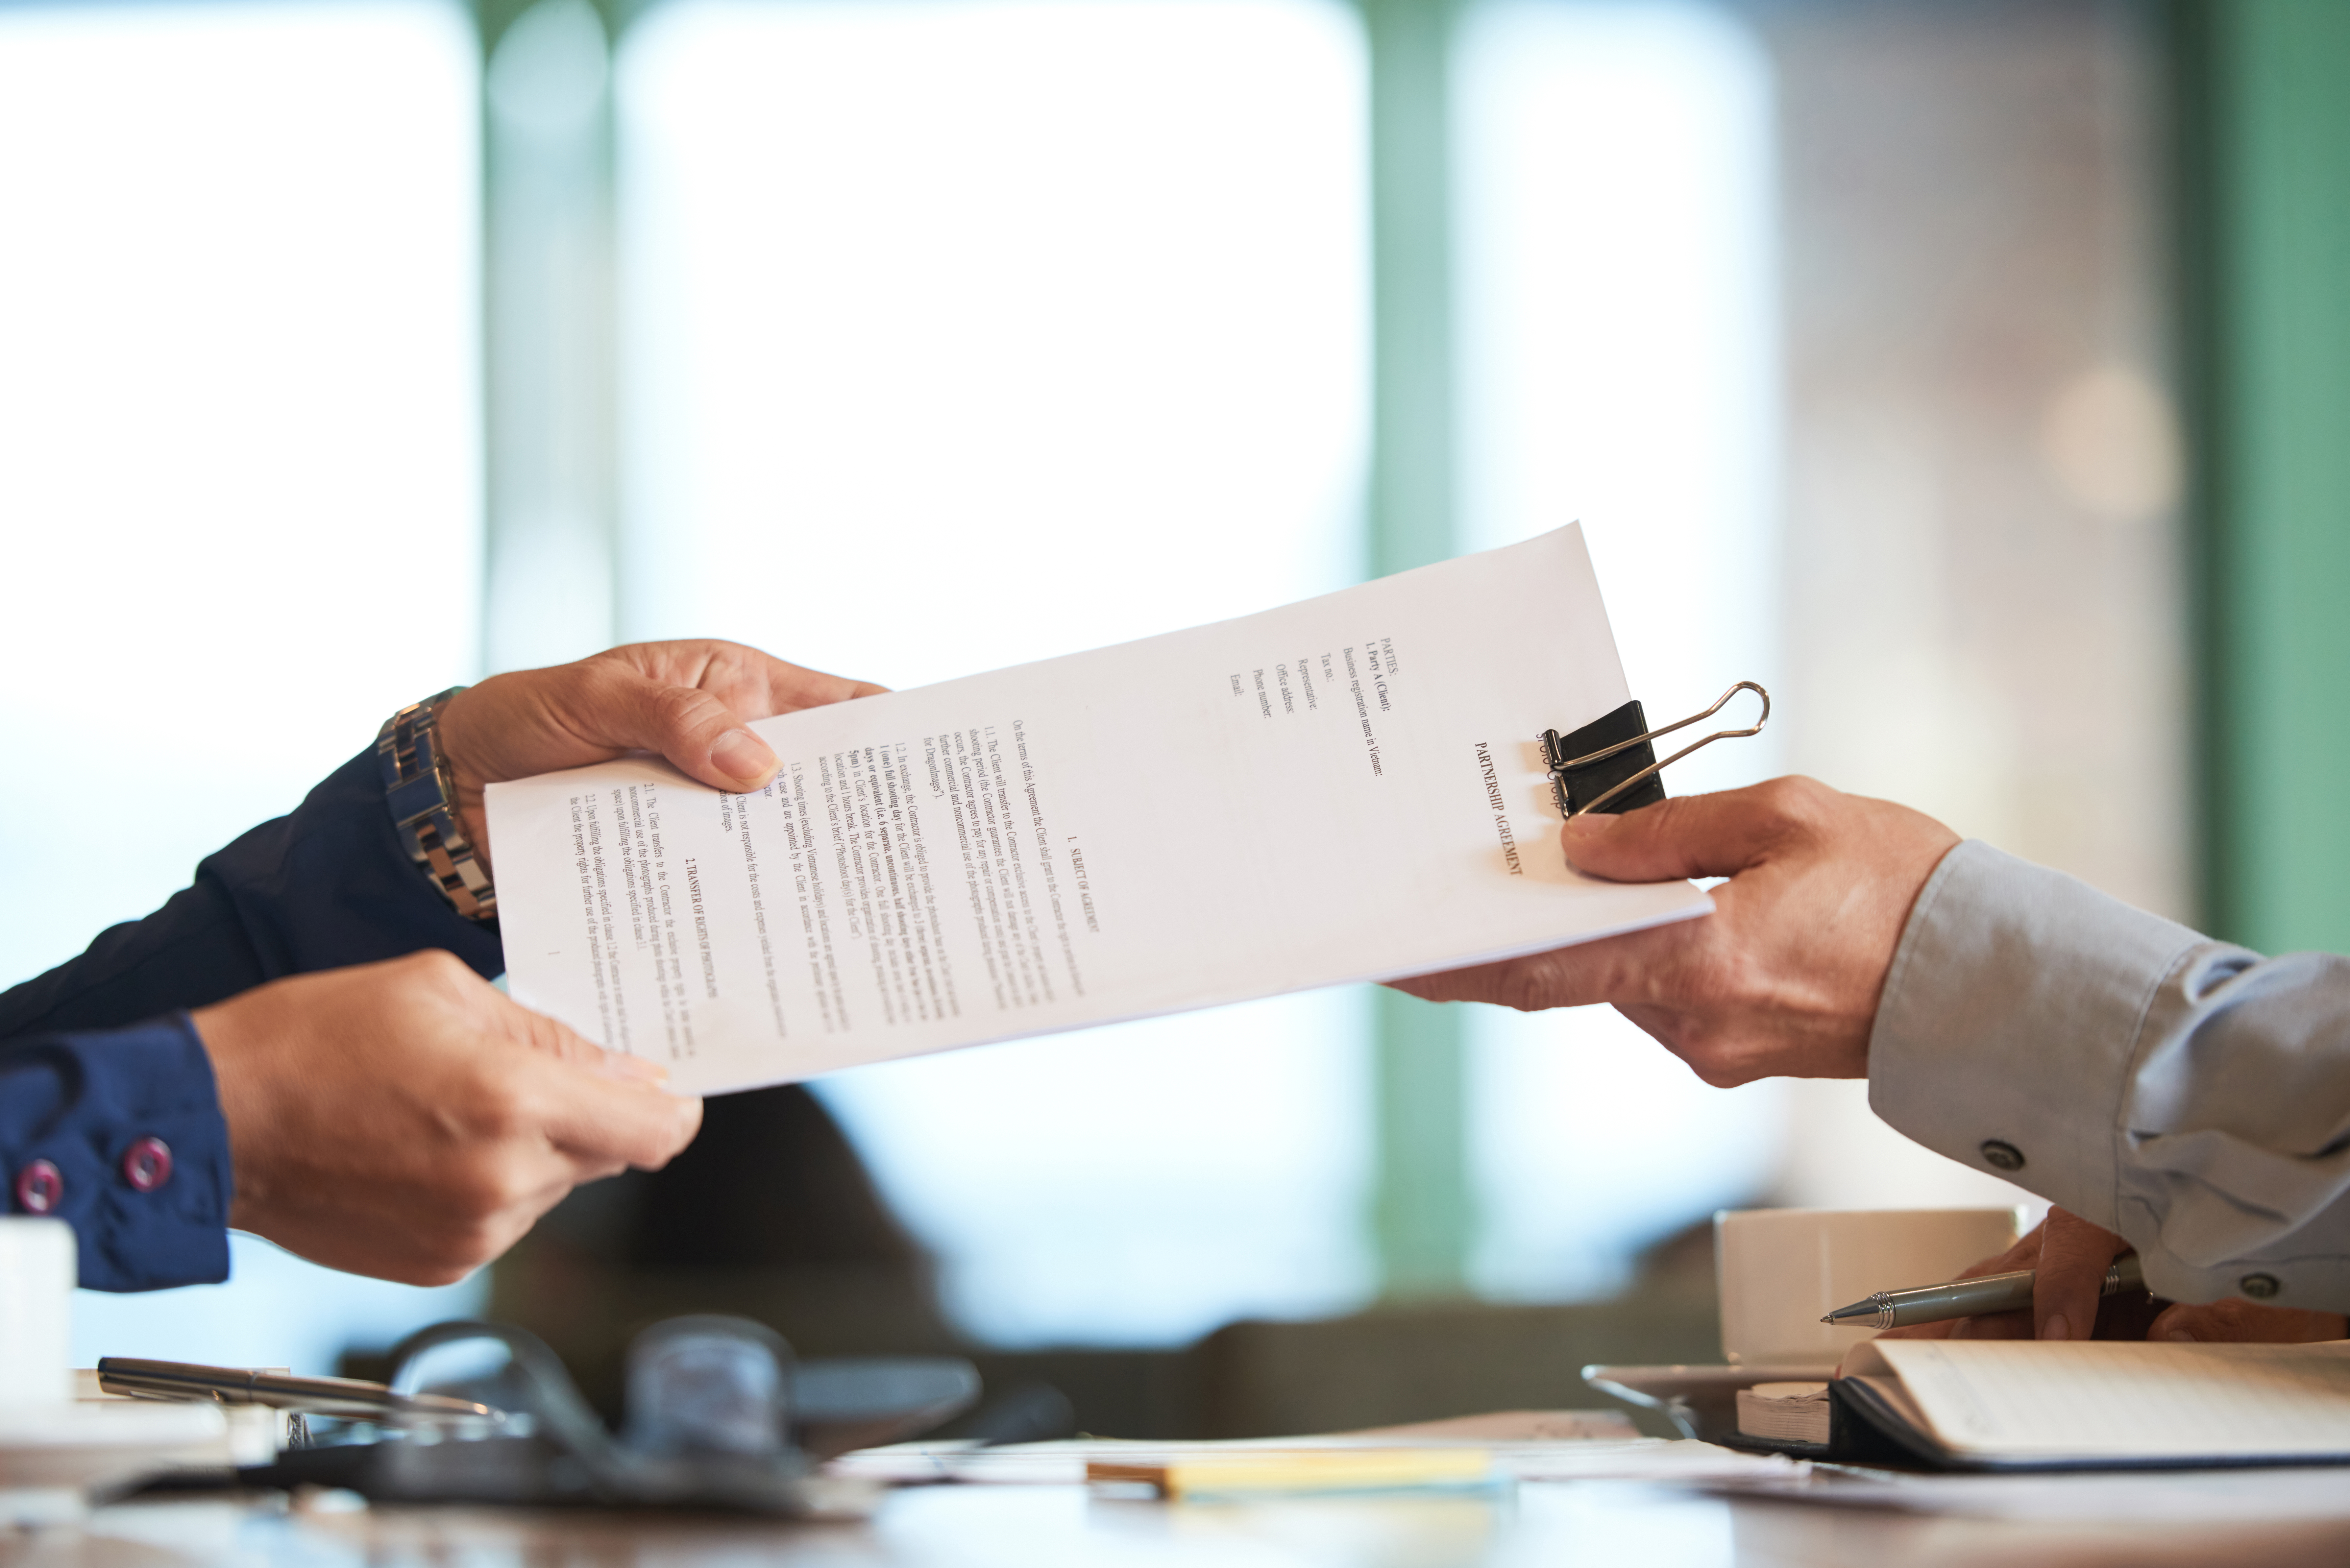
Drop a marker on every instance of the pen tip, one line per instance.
(1827, 1317)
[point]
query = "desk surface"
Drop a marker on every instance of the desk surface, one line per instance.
(1552, 1524)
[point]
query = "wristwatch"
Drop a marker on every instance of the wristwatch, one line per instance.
(422, 795)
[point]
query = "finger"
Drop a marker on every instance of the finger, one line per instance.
(618, 708)
(1564, 978)
(560, 1171)
(2073, 1258)
(496, 1013)
(1479, 982)
(1993, 1325)
(2022, 1254)
(754, 683)
(1614, 968)
(1691, 836)
(791, 688)
(1942, 1330)
(592, 1117)
(551, 1037)
(628, 1069)
(1721, 1057)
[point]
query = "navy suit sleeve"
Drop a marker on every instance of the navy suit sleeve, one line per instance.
(323, 888)
(97, 1054)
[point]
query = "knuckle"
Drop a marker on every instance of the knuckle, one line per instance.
(504, 1101)
(1712, 980)
(1717, 1064)
(427, 972)
(440, 966)
(1668, 815)
(1789, 803)
(471, 1192)
(583, 697)
(1722, 1054)
(1716, 1074)
(495, 1125)
(460, 1253)
(1528, 986)
(444, 1266)
(682, 708)
(591, 684)
(655, 1148)
(507, 1121)
(488, 1188)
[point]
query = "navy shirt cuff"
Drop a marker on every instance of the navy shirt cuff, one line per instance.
(119, 1133)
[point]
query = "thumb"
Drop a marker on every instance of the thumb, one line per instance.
(630, 711)
(1692, 836)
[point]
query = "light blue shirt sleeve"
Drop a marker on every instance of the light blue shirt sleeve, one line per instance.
(2189, 1093)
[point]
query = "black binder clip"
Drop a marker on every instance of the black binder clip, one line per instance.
(1609, 766)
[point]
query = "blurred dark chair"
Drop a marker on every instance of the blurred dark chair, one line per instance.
(769, 1215)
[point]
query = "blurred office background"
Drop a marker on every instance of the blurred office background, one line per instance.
(1963, 373)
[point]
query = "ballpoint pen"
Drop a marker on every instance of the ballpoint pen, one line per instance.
(1966, 1298)
(345, 1396)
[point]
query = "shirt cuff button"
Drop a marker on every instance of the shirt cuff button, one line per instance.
(2259, 1287)
(41, 1187)
(2002, 1156)
(147, 1164)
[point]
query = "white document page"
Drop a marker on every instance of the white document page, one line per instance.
(2126, 1399)
(1345, 789)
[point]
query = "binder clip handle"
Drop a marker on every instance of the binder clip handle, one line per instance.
(1585, 782)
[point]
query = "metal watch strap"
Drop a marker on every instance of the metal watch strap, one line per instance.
(422, 795)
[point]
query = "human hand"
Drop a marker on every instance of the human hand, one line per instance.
(406, 1120)
(688, 701)
(1784, 978)
(2071, 1257)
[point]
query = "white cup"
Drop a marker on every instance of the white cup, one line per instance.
(37, 1286)
(1781, 1270)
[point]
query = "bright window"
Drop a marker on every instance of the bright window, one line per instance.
(240, 480)
(1617, 317)
(958, 336)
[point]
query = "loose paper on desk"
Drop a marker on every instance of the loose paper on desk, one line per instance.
(1345, 789)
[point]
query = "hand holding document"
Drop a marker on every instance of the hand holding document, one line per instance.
(1345, 789)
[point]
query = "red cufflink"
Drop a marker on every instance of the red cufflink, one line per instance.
(40, 1187)
(147, 1164)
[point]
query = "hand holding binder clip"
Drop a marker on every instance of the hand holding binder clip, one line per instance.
(1609, 766)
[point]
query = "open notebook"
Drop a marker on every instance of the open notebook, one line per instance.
(2027, 1404)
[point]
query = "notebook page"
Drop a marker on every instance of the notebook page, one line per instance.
(2034, 1399)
